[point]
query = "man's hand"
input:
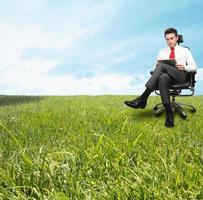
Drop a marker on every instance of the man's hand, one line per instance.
(181, 67)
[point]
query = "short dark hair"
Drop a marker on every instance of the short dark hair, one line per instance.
(170, 30)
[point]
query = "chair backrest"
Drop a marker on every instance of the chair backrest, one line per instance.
(180, 39)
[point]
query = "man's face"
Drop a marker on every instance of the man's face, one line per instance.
(171, 39)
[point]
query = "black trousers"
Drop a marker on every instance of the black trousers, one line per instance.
(163, 76)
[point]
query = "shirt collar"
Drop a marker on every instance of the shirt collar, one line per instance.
(174, 47)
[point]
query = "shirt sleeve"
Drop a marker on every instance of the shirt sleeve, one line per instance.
(159, 55)
(191, 65)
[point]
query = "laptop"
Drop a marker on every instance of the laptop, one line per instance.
(171, 62)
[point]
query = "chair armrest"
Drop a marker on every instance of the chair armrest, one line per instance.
(191, 78)
(151, 72)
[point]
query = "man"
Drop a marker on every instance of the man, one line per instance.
(164, 74)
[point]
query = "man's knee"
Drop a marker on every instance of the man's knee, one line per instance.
(163, 78)
(159, 66)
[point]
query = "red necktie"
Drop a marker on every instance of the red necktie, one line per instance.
(172, 54)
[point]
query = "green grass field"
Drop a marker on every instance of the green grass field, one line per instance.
(94, 147)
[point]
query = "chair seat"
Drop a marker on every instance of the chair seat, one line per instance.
(181, 85)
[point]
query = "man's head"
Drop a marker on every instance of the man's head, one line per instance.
(171, 36)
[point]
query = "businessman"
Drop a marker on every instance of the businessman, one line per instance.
(165, 74)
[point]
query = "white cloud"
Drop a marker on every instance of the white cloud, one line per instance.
(199, 75)
(21, 75)
(16, 39)
(30, 76)
(68, 85)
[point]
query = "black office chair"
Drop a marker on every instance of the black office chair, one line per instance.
(176, 90)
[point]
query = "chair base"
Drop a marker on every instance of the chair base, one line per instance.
(176, 107)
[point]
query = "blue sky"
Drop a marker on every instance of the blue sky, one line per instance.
(90, 47)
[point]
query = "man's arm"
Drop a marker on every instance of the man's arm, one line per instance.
(191, 65)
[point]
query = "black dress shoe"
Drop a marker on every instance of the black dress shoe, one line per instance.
(169, 120)
(137, 103)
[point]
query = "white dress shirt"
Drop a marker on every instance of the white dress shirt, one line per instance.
(182, 56)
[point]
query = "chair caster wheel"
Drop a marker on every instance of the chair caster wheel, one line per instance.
(155, 108)
(157, 114)
(193, 110)
(183, 116)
